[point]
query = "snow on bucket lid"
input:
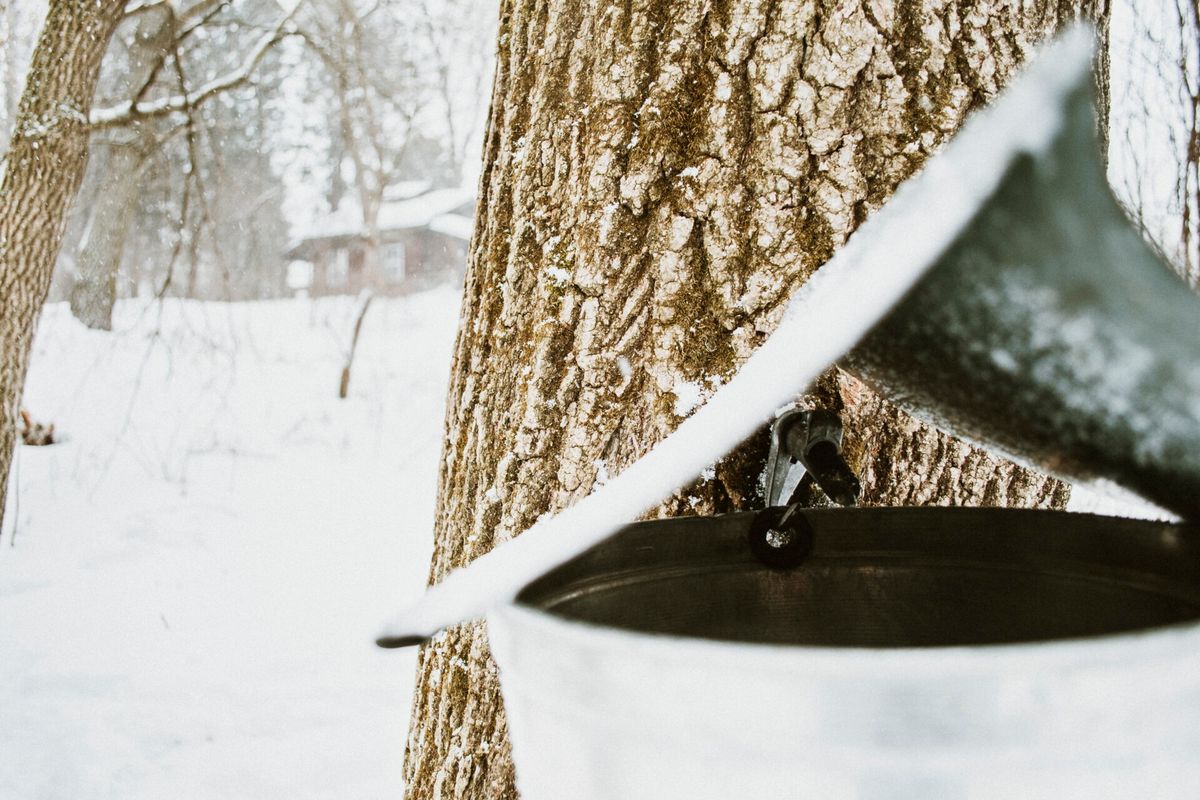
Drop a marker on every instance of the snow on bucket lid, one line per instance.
(826, 317)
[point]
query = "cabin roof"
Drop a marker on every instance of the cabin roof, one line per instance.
(419, 211)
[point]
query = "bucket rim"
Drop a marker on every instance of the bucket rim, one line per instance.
(1181, 636)
(1163, 641)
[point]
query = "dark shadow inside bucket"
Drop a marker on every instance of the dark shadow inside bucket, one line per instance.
(887, 578)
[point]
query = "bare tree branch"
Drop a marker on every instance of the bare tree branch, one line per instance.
(124, 113)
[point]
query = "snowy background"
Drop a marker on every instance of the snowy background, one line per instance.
(189, 589)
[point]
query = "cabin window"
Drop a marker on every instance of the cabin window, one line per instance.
(393, 262)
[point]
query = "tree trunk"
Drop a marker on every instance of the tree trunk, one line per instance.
(94, 292)
(370, 272)
(659, 177)
(46, 160)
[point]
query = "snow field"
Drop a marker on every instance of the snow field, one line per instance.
(199, 569)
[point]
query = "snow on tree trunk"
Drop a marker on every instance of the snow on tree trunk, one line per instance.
(658, 178)
(44, 166)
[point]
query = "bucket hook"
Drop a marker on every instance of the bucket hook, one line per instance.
(806, 449)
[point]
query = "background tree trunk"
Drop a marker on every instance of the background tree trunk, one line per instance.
(94, 292)
(44, 166)
(659, 177)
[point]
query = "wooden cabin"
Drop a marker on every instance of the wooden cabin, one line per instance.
(423, 243)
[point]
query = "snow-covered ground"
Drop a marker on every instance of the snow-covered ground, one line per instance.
(191, 582)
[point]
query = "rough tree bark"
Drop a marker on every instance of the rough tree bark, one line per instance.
(659, 177)
(44, 166)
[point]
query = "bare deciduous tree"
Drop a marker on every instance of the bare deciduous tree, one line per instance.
(377, 94)
(43, 167)
(1156, 115)
(151, 99)
(456, 43)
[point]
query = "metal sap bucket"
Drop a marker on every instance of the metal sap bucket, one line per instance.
(916, 653)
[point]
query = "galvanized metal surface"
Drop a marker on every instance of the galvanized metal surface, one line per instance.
(931, 653)
(1051, 332)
